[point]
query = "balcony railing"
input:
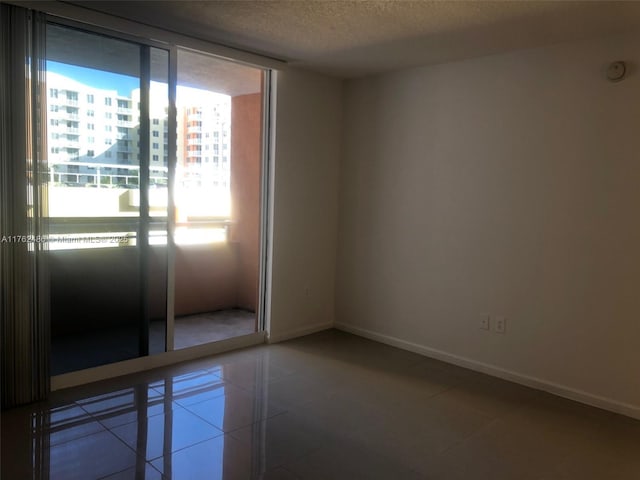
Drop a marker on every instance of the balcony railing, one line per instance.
(101, 174)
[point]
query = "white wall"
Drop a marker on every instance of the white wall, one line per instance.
(305, 211)
(510, 185)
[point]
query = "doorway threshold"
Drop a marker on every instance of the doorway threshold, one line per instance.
(112, 370)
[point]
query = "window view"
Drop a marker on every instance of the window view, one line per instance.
(94, 156)
(203, 195)
(93, 152)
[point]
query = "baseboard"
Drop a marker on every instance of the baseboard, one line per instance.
(299, 332)
(126, 367)
(581, 396)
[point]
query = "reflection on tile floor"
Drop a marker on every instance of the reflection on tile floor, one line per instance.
(326, 406)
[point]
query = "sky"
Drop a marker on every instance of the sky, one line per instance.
(96, 78)
(124, 84)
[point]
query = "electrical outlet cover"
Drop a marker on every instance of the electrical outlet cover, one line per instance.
(500, 324)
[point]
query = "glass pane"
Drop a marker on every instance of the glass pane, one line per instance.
(93, 84)
(98, 285)
(217, 198)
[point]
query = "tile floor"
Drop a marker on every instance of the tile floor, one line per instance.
(325, 406)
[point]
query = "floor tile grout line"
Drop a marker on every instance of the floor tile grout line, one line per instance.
(173, 452)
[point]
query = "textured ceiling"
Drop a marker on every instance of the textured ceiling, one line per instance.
(354, 38)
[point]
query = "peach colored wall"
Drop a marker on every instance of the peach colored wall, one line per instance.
(246, 134)
(205, 278)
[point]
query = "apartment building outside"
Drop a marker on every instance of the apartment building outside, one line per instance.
(94, 137)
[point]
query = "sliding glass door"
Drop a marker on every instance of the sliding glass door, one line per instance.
(108, 197)
(155, 197)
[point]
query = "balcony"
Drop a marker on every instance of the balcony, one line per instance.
(101, 175)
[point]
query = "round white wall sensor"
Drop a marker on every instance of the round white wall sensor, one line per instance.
(616, 71)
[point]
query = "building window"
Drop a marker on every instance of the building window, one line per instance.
(89, 153)
(90, 98)
(107, 101)
(107, 154)
(156, 146)
(155, 158)
(156, 133)
(108, 115)
(107, 128)
(156, 121)
(53, 92)
(90, 113)
(90, 126)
